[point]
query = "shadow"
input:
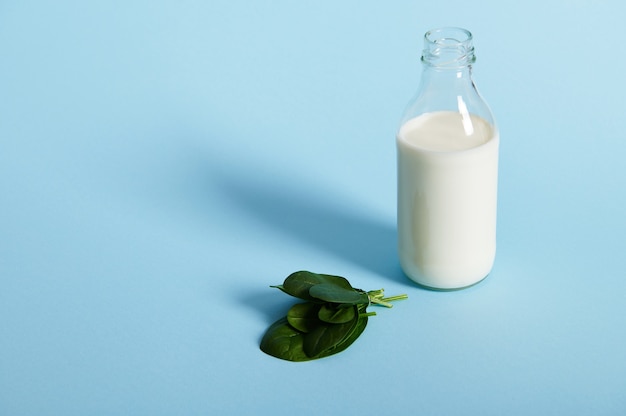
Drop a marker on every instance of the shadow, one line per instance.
(320, 222)
(271, 303)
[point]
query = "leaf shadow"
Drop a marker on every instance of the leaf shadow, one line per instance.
(268, 301)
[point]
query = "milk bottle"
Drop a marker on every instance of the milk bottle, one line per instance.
(447, 149)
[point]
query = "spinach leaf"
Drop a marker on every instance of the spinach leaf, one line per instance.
(304, 316)
(299, 283)
(333, 317)
(283, 341)
(332, 293)
(326, 336)
(349, 340)
(335, 313)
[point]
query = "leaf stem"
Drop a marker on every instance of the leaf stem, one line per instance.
(377, 298)
(381, 303)
(397, 297)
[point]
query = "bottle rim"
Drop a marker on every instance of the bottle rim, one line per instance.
(448, 47)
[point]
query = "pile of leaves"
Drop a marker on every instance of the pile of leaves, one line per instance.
(332, 317)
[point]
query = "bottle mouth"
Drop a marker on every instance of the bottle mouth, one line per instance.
(448, 47)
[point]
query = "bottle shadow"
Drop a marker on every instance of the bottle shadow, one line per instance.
(331, 227)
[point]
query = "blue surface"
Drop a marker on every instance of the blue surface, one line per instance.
(163, 163)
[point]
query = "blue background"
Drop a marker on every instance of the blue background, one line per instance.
(163, 163)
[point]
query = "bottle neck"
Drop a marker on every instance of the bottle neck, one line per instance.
(451, 77)
(447, 60)
(446, 82)
(448, 49)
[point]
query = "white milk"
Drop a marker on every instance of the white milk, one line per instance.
(447, 191)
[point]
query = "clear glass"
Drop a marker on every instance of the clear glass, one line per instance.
(447, 170)
(446, 82)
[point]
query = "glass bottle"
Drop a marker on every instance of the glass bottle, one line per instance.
(447, 148)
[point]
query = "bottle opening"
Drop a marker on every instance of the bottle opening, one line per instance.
(448, 47)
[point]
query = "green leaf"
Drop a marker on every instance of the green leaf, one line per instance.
(336, 294)
(304, 316)
(332, 319)
(299, 283)
(336, 314)
(282, 341)
(279, 287)
(349, 340)
(327, 336)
